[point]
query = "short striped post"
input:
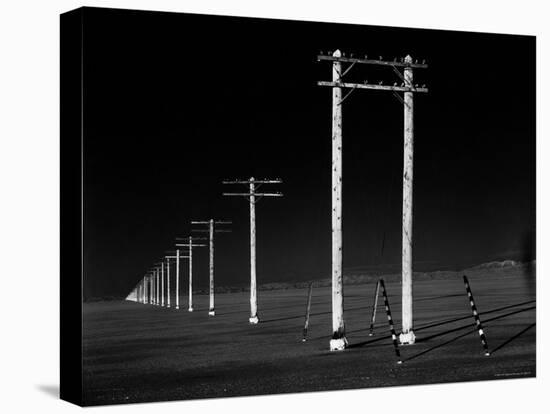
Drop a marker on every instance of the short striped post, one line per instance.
(476, 316)
(374, 307)
(390, 321)
(308, 309)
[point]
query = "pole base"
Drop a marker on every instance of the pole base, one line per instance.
(177, 307)
(190, 309)
(168, 305)
(338, 344)
(253, 320)
(407, 338)
(211, 313)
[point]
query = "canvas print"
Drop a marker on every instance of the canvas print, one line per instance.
(258, 206)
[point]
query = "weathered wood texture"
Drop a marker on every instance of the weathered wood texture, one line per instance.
(407, 335)
(338, 340)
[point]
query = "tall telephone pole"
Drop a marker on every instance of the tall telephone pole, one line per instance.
(253, 196)
(338, 341)
(190, 245)
(177, 256)
(211, 230)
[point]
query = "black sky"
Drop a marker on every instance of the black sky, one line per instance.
(174, 103)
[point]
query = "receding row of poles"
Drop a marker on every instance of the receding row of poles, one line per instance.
(148, 289)
(341, 65)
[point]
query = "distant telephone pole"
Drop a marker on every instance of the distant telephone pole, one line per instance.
(211, 230)
(190, 245)
(177, 256)
(339, 341)
(157, 286)
(253, 196)
(162, 283)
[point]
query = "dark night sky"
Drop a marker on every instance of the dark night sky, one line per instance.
(175, 103)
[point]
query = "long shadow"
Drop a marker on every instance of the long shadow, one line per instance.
(485, 321)
(360, 344)
(446, 321)
(472, 329)
(313, 314)
(454, 295)
(439, 345)
(268, 309)
(439, 323)
(512, 338)
(445, 332)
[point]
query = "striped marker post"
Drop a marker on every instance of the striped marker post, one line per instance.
(390, 321)
(308, 309)
(374, 306)
(476, 316)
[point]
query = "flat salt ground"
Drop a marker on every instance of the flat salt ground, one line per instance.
(136, 353)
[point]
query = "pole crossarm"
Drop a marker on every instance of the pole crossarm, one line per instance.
(371, 61)
(254, 194)
(190, 245)
(254, 181)
(208, 222)
(208, 231)
(371, 86)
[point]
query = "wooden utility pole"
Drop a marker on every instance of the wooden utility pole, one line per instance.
(145, 290)
(153, 286)
(407, 335)
(158, 285)
(190, 245)
(168, 281)
(177, 256)
(162, 283)
(211, 230)
(338, 341)
(151, 289)
(252, 193)
(177, 278)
